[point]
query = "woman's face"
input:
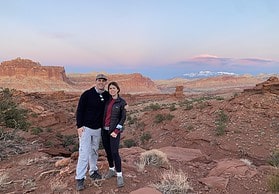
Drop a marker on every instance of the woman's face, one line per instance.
(113, 90)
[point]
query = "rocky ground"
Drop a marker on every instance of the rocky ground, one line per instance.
(214, 144)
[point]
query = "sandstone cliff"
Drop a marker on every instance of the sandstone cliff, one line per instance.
(29, 76)
(26, 68)
(129, 83)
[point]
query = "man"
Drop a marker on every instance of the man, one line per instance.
(90, 112)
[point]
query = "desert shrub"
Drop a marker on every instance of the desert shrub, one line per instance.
(188, 105)
(132, 120)
(129, 143)
(172, 107)
(190, 127)
(48, 144)
(202, 105)
(221, 123)
(222, 117)
(75, 147)
(72, 110)
(34, 115)
(57, 186)
(246, 161)
(3, 178)
(36, 130)
(128, 118)
(145, 137)
(169, 117)
(152, 157)
(274, 159)
(235, 95)
(152, 107)
(140, 126)
(28, 183)
(201, 99)
(174, 182)
(48, 129)
(273, 183)
(28, 161)
(59, 135)
(10, 114)
(220, 130)
(69, 140)
(219, 98)
(161, 117)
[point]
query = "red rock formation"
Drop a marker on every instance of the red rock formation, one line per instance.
(271, 85)
(29, 76)
(27, 68)
(179, 92)
(129, 83)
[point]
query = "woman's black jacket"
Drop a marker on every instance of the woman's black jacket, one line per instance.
(118, 114)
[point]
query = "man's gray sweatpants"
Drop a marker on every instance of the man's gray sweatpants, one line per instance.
(88, 152)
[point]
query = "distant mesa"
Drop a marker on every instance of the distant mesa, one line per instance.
(29, 76)
(26, 68)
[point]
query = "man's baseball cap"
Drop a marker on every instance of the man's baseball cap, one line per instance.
(101, 76)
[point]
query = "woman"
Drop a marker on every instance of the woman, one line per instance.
(114, 118)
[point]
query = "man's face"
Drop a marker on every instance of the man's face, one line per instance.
(101, 83)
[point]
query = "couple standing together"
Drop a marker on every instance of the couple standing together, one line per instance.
(100, 114)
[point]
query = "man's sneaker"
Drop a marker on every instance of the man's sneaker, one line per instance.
(95, 175)
(110, 174)
(120, 181)
(80, 184)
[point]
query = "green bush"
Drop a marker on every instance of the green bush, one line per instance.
(145, 137)
(274, 159)
(132, 120)
(69, 140)
(36, 130)
(161, 117)
(190, 127)
(48, 144)
(169, 117)
(129, 143)
(11, 115)
(152, 107)
(221, 123)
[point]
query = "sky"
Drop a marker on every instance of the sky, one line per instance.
(151, 37)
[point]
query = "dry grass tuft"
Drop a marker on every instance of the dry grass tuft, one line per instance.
(273, 183)
(3, 178)
(174, 182)
(152, 157)
(28, 183)
(246, 161)
(58, 186)
(27, 161)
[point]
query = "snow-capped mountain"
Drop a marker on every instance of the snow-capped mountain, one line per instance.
(206, 73)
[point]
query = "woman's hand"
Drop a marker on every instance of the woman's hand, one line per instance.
(113, 134)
